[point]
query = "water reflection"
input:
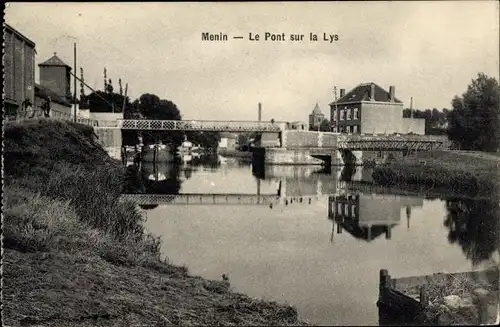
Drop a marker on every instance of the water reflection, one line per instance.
(474, 224)
(368, 216)
(278, 250)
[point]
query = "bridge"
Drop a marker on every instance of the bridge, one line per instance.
(291, 146)
(200, 125)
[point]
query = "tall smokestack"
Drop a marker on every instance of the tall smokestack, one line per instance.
(342, 92)
(372, 92)
(260, 111)
(392, 90)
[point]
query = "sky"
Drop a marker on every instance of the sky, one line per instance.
(428, 50)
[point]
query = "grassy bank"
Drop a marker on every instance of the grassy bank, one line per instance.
(468, 172)
(75, 255)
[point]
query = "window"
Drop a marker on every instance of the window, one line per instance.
(342, 115)
(334, 115)
(355, 129)
(356, 113)
(346, 210)
(339, 208)
(353, 210)
(348, 114)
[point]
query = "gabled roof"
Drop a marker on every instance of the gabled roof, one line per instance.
(54, 61)
(43, 92)
(362, 93)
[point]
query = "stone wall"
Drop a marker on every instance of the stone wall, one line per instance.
(301, 139)
(109, 137)
(281, 156)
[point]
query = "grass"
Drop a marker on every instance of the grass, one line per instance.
(75, 255)
(470, 173)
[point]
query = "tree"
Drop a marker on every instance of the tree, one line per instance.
(474, 121)
(325, 126)
(100, 101)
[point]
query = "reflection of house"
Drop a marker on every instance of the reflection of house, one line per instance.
(19, 69)
(55, 82)
(316, 117)
(369, 109)
(369, 216)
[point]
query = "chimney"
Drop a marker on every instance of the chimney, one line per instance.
(372, 92)
(260, 111)
(392, 89)
(342, 92)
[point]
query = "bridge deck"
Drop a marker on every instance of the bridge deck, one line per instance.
(200, 125)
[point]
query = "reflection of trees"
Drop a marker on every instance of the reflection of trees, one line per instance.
(148, 206)
(347, 173)
(475, 225)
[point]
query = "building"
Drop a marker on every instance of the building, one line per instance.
(227, 141)
(19, 69)
(55, 82)
(316, 117)
(298, 125)
(369, 109)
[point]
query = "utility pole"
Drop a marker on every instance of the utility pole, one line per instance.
(124, 98)
(74, 80)
(411, 114)
(337, 116)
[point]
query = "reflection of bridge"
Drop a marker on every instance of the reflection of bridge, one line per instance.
(201, 199)
(282, 196)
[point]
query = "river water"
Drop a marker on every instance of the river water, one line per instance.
(322, 247)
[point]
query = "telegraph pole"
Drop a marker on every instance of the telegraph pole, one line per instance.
(336, 109)
(74, 80)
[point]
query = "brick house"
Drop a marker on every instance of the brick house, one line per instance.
(19, 69)
(55, 81)
(367, 109)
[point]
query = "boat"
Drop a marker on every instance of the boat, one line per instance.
(159, 151)
(157, 172)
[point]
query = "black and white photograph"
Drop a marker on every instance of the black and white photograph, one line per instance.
(281, 163)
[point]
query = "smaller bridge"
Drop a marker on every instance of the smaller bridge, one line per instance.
(390, 142)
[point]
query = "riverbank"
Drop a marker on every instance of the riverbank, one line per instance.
(471, 173)
(75, 255)
(235, 154)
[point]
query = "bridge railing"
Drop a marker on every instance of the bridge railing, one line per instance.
(197, 125)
